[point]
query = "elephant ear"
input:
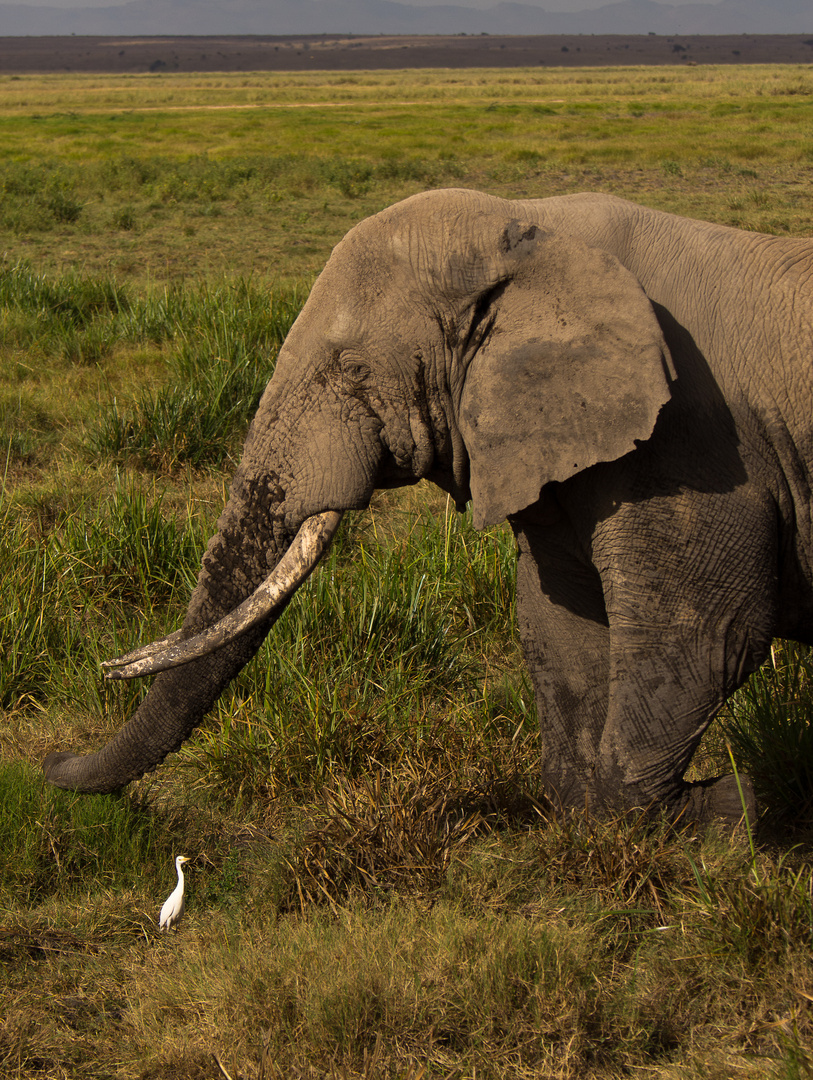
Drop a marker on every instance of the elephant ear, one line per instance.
(572, 370)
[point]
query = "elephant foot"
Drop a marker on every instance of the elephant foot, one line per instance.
(720, 800)
(704, 802)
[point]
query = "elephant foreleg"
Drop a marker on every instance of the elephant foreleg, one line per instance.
(566, 642)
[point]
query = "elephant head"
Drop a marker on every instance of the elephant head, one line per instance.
(449, 337)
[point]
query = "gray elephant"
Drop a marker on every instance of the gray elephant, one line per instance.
(631, 390)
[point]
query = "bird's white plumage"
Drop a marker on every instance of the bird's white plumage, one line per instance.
(174, 904)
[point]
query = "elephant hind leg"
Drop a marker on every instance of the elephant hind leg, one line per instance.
(566, 643)
(662, 699)
(690, 619)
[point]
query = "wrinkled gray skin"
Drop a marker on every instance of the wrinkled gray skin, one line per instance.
(630, 389)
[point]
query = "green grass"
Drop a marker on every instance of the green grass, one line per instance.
(224, 344)
(140, 174)
(126, 554)
(56, 843)
(767, 724)
(375, 889)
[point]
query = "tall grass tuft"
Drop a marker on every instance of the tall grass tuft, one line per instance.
(224, 345)
(61, 588)
(767, 723)
(72, 298)
(130, 550)
(36, 627)
(72, 316)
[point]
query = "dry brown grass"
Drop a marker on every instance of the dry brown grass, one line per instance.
(396, 933)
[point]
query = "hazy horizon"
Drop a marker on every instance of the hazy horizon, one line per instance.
(103, 18)
(558, 6)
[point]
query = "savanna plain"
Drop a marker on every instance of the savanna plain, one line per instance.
(375, 887)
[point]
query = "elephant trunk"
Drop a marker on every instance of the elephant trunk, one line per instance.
(175, 704)
(179, 699)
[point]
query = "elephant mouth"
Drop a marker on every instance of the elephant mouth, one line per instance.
(294, 568)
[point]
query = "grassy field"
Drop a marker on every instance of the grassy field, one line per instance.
(155, 177)
(374, 888)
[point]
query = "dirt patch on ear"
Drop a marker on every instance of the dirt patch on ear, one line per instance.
(517, 239)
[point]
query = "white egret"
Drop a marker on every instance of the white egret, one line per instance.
(174, 903)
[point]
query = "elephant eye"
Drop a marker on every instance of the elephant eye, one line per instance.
(355, 371)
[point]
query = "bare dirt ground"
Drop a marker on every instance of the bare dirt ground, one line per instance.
(337, 53)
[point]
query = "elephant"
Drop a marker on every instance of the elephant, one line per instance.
(631, 390)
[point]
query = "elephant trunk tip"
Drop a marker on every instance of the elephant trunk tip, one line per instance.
(61, 771)
(52, 766)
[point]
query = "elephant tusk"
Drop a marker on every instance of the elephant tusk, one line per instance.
(146, 650)
(296, 565)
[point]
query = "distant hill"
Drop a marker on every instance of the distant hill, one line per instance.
(239, 17)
